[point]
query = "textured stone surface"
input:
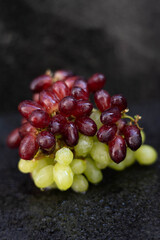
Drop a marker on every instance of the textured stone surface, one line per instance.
(124, 206)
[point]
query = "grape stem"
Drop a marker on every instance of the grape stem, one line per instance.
(135, 119)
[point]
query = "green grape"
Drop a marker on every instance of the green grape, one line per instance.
(26, 166)
(64, 156)
(99, 153)
(42, 163)
(78, 166)
(143, 136)
(130, 158)
(146, 155)
(95, 116)
(93, 174)
(118, 167)
(84, 146)
(44, 177)
(101, 165)
(80, 183)
(63, 176)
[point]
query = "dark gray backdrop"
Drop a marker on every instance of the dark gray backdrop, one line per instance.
(118, 38)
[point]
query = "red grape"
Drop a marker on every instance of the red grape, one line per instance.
(27, 107)
(78, 93)
(14, 139)
(60, 89)
(61, 75)
(102, 100)
(49, 101)
(117, 149)
(26, 128)
(132, 136)
(110, 115)
(96, 82)
(57, 123)
(82, 84)
(70, 134)
(28, 147)
(119, 101)
(67, 105)
(46, 141)
(69, 81)
(86, 126)
(106, 133)
(83, 108)
(40, 83)
(39, 119)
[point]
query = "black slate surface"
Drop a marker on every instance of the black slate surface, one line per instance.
(124, 206)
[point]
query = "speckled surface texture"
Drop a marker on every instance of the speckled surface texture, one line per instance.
(124, 206)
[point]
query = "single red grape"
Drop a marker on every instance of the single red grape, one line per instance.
(117, 149)
(86, 126)
(39, 119)
(40, 83)
(14, 139)
(67, 105)
(46, 141)
(70, 134)
(110, 115)
(119, 101)
(61, 75)
(28, 147)
(102, 100)
(26, 128)
(132, 136)
(27, 107)
(79, 94)
(83, 108)
(57, 123)
(106, 133)
(60, 89)
(96, 82)
(49, 101)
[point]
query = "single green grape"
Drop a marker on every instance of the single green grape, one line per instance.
(42, 163)
(63, 176)
(146, 155)
(64, 156)
(130, 158)
(78, 166)
(44, 177)
(143, 136)
(26, 166)
(99, 153)
(80, 184)
(93, 174)
(118, 167)
(84, 146)
(95, 116)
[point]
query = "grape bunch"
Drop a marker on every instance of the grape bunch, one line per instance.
(65, 142)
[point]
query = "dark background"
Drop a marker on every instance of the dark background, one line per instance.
(118, 38)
